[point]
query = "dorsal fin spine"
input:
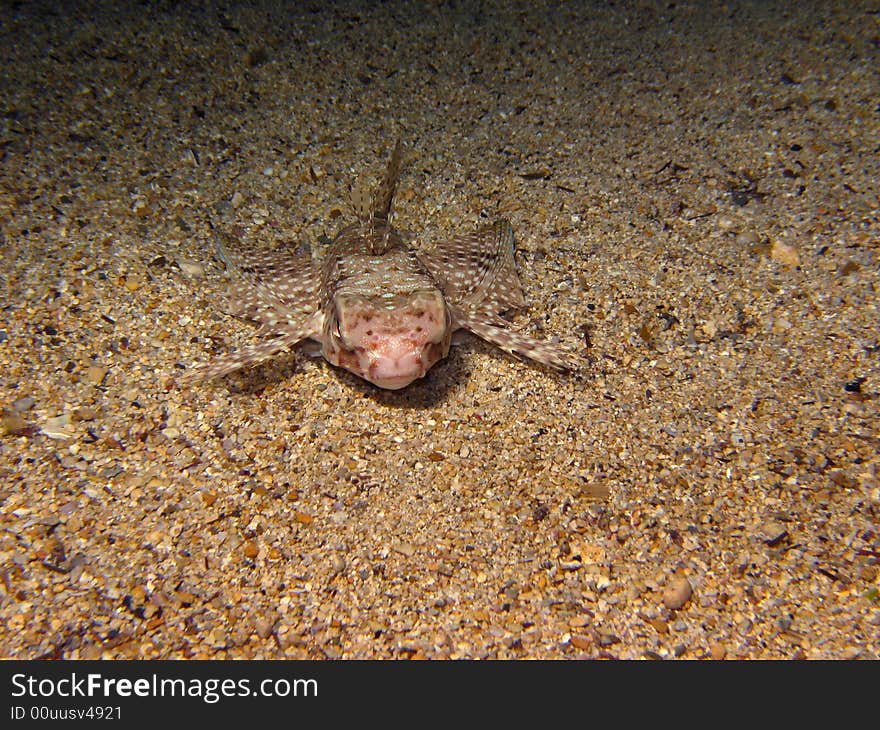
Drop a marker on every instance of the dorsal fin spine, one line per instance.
(381, 208)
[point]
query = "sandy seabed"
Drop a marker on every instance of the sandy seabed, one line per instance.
(694, 191)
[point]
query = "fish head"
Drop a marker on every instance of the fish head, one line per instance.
(389, 340)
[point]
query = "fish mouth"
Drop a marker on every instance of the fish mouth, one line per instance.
(395, 370)
(394, 382)
(392, 368)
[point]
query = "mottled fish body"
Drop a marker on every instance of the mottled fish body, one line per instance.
(378, 308)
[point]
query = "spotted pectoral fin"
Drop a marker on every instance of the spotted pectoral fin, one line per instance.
(246, 356)
(495, 331)
(247, 302)
(254, 354)
(282, 275)
(478, 270)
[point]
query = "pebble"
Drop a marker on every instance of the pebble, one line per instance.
(773, 532)
(217, 638)
(709, 328)
(132, 283)
(783, 253)
(263, 626)
(337, 564)
(12, 424)
(58, 427)
(191, 270)
(405, 548)
(24, 404)
(781, 324)
(84, 413)
(746, 238)
(95, 374)
(677, 593)
(850, 267)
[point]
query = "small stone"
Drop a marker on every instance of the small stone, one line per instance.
(607, 638)
(237, 199)
(598, 489)
(337, 563)
(773, 533)
(191, 270)
(581, 642)
(677, 593)
(717, 651)
(781, 324)
(12, 424)
(185, 597)
(95, 374)
(842, 479)
(264, 625)
(783, 253)
(405, 548)
(132, 283)
(24, 404)
(746, 238)
(217, 638)
(251, 550)
(84, 413)
(58, 427)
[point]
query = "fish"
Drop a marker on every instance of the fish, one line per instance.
(378, 307)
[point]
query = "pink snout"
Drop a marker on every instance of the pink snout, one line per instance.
(396, 368)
